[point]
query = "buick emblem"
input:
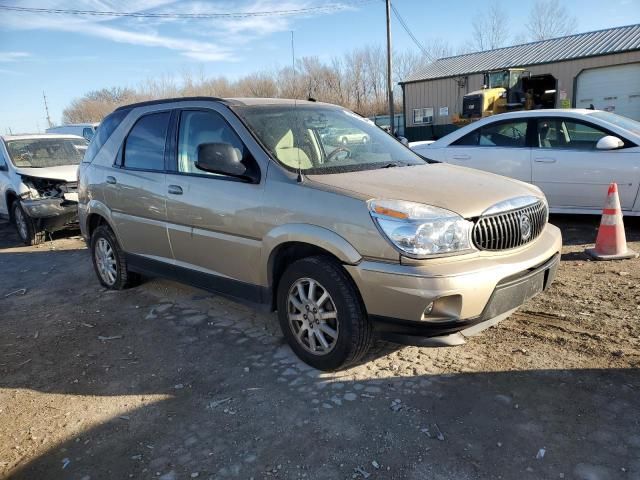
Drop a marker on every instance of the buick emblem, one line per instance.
(525, 227)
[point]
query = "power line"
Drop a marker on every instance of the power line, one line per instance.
(328, 8)
(410, 33)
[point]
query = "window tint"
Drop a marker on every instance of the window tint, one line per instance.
(144, 147)
(568, 135)
(199, 127)
(507, 134)
(470, 139)
(503, 134)
(105, 129)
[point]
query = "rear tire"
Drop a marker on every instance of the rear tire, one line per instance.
(326, 324)
(109, 260)
(27, 229)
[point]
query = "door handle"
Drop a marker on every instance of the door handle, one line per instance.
(111, 180)
(461, 157)
(545, 160)
(175, 190)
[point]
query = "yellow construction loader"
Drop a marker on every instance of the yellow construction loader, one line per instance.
(508, 90)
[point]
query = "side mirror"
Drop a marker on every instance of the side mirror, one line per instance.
(609, 143)
(224, 159)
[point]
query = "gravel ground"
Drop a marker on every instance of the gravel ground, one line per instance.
(166, 381)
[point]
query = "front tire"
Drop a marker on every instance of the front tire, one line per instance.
(27, 229)
(109, 260)
(321, 314)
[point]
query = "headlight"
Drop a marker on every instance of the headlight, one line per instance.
(420, 230)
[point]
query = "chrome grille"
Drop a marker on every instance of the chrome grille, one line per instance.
(505, 230)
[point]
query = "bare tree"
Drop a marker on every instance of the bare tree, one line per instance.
(490, 28)
(549, 19)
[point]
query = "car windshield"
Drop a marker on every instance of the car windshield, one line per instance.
(320, 139)
(618, 120)
(46, 152)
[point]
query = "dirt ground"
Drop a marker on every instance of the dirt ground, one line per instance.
(170, 382)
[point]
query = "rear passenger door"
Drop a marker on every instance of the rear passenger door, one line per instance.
(498, 147)
(136, 189)
(214, 221)
(572, 172)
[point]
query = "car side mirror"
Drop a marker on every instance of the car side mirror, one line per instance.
(224, 159)
(609, 143)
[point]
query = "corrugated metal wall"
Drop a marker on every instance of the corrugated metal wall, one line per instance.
(445, 92)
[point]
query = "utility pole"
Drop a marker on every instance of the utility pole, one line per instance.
(46, 109)
(389, 74)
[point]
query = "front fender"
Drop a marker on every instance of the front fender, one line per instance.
(310, 234)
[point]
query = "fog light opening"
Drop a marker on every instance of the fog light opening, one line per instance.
(428, 310)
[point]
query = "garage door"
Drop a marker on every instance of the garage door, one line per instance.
(615, 89)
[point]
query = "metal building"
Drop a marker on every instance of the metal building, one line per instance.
(600, 68)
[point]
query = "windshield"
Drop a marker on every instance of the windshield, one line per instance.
(618, 120)
(46, 152)
(323, 139)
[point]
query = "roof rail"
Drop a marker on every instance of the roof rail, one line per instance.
(166, 100)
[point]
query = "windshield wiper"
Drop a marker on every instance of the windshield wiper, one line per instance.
(391, 165)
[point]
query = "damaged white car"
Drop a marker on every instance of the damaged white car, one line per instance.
(38, 183)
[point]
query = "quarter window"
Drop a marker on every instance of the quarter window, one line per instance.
(567, 134)
(144, 147)
(423, 116)
(198, 127)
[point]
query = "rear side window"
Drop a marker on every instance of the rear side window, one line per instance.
(105, 129)
(503, 134)
(144, 147)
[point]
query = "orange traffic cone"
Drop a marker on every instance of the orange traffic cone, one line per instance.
(611, 242)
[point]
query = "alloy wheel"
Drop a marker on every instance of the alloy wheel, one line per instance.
(313, 317)
(105, 261)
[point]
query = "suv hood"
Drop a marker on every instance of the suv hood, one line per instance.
(462, 190)
(66, 173)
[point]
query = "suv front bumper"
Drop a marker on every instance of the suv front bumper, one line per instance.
(447, 299)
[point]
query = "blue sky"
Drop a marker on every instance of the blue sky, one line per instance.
(67, 56)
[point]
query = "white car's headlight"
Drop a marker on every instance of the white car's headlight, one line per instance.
(420, 231)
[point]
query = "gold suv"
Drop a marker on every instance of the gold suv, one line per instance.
(244, 197)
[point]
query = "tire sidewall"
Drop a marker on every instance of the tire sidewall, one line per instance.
(15, 207)
(346, 303)
(104, 232)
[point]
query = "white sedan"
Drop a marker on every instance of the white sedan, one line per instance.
(572, 154)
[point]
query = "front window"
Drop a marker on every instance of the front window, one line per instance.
(46, 152)
(322, 139)
(568, 135)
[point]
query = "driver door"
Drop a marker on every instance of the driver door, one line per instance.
(498, 147)
(573, 173)
(213, 220)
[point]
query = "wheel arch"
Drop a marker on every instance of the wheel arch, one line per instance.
(10, 197)
(288, 243)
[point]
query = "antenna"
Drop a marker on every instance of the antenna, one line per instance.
(295, 101)
(46, 109)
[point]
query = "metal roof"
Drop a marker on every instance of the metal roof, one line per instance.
(589, 44)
